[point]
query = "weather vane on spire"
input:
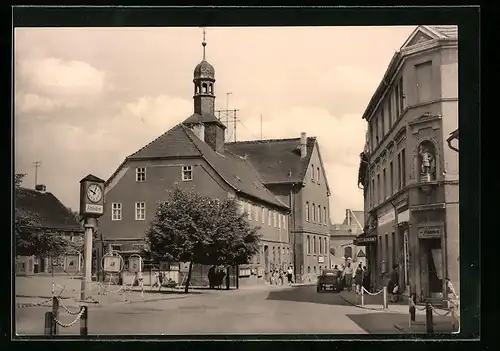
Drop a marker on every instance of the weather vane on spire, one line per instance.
(204, 43)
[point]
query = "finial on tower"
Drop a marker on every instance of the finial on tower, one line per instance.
(204, 43)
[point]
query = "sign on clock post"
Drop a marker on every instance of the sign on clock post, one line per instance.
(91, 208)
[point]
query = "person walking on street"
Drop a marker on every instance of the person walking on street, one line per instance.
(366, 279)
(289, 275)
(347, 274)
(358, 279)
(392, 286)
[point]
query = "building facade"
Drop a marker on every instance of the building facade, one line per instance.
(51, 215)
(271, 179)
(409, 175)
(342, 237)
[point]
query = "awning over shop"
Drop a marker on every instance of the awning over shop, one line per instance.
(364, 240)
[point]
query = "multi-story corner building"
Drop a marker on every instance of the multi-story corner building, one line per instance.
(409, 175)
(342, 237)
(281, 184)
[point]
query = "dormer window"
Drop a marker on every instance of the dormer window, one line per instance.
(140, 174)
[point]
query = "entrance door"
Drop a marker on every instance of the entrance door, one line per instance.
(432, 270)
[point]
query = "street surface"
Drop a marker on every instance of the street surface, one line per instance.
(261, 310)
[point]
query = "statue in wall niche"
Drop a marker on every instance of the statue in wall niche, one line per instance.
(427, 163)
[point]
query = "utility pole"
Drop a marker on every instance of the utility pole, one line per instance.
(234, 124)
(227, 108)
(36, 164)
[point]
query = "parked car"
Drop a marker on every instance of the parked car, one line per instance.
(329, 279)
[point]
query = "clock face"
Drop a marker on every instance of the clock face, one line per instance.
(94, 193)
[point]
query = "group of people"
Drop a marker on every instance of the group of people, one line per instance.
(359, 277)
(216, 276)
(278, 276)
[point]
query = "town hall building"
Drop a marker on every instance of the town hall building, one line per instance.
(280, 183)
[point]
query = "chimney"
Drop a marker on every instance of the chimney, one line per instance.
(41, 188)
(303, 145)
(199, 130)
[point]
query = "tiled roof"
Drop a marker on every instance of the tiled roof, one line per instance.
(173, 143)
(50, 212)
(445, 31)
(180, 141)
(276, 161)
(235, 170)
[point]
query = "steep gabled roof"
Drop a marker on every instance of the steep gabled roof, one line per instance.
(430, 32)
(276, 160)
(180, 141)
(235, 171)
(49, 211)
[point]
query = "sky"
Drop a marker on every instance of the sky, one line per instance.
(85, 98)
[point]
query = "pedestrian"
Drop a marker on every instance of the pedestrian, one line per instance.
(347, 275)
(280, 277)
(276, 276)
(358, 279)
(289, 275)
(366, 279)
(392, 286)
(211, 277)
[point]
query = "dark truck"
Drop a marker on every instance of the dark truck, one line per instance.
(329, 279)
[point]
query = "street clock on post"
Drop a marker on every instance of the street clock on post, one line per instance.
(91, 197)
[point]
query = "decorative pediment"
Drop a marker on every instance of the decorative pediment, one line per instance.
(420, 35)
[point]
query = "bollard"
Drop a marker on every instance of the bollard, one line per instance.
(49, 321)
(55, 315)
(53, 288)
(385, 298)
(84, 321)
(362, 296)
(429, 323)
(453, 318)
(412, 309)
(98, 293)
(124, 293)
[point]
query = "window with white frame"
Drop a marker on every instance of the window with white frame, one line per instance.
(262, 214)
(116, 211)
(313, 177)
(187, 173)
(318, 217)
(314, 212)
(249, 210)
(241, 206)
(140, 174)
(307, 212)
(256, 213)
(317, 174)
(274, 218)
(324, 215)
(279, 220)
(269, 219)
(284, 221)
(140, 211)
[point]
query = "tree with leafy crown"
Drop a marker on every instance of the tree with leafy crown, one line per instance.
(189, 227)
(31, 239)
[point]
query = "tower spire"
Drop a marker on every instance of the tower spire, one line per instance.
(204, 43)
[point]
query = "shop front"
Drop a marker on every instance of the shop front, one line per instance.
(431, 261)
(369, 242)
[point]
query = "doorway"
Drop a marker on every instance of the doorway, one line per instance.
(432, 268)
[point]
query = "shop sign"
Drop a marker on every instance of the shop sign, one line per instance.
(361, 253)
(429, 232)
(365, 240)
(321, 259)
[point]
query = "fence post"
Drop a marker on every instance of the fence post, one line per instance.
(362, 296)
(385, 297)
(55, 315)
(429, 323)
(412, 307)
(49, 320)
(84, 321)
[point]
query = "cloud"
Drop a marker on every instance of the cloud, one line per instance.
(47, 83)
